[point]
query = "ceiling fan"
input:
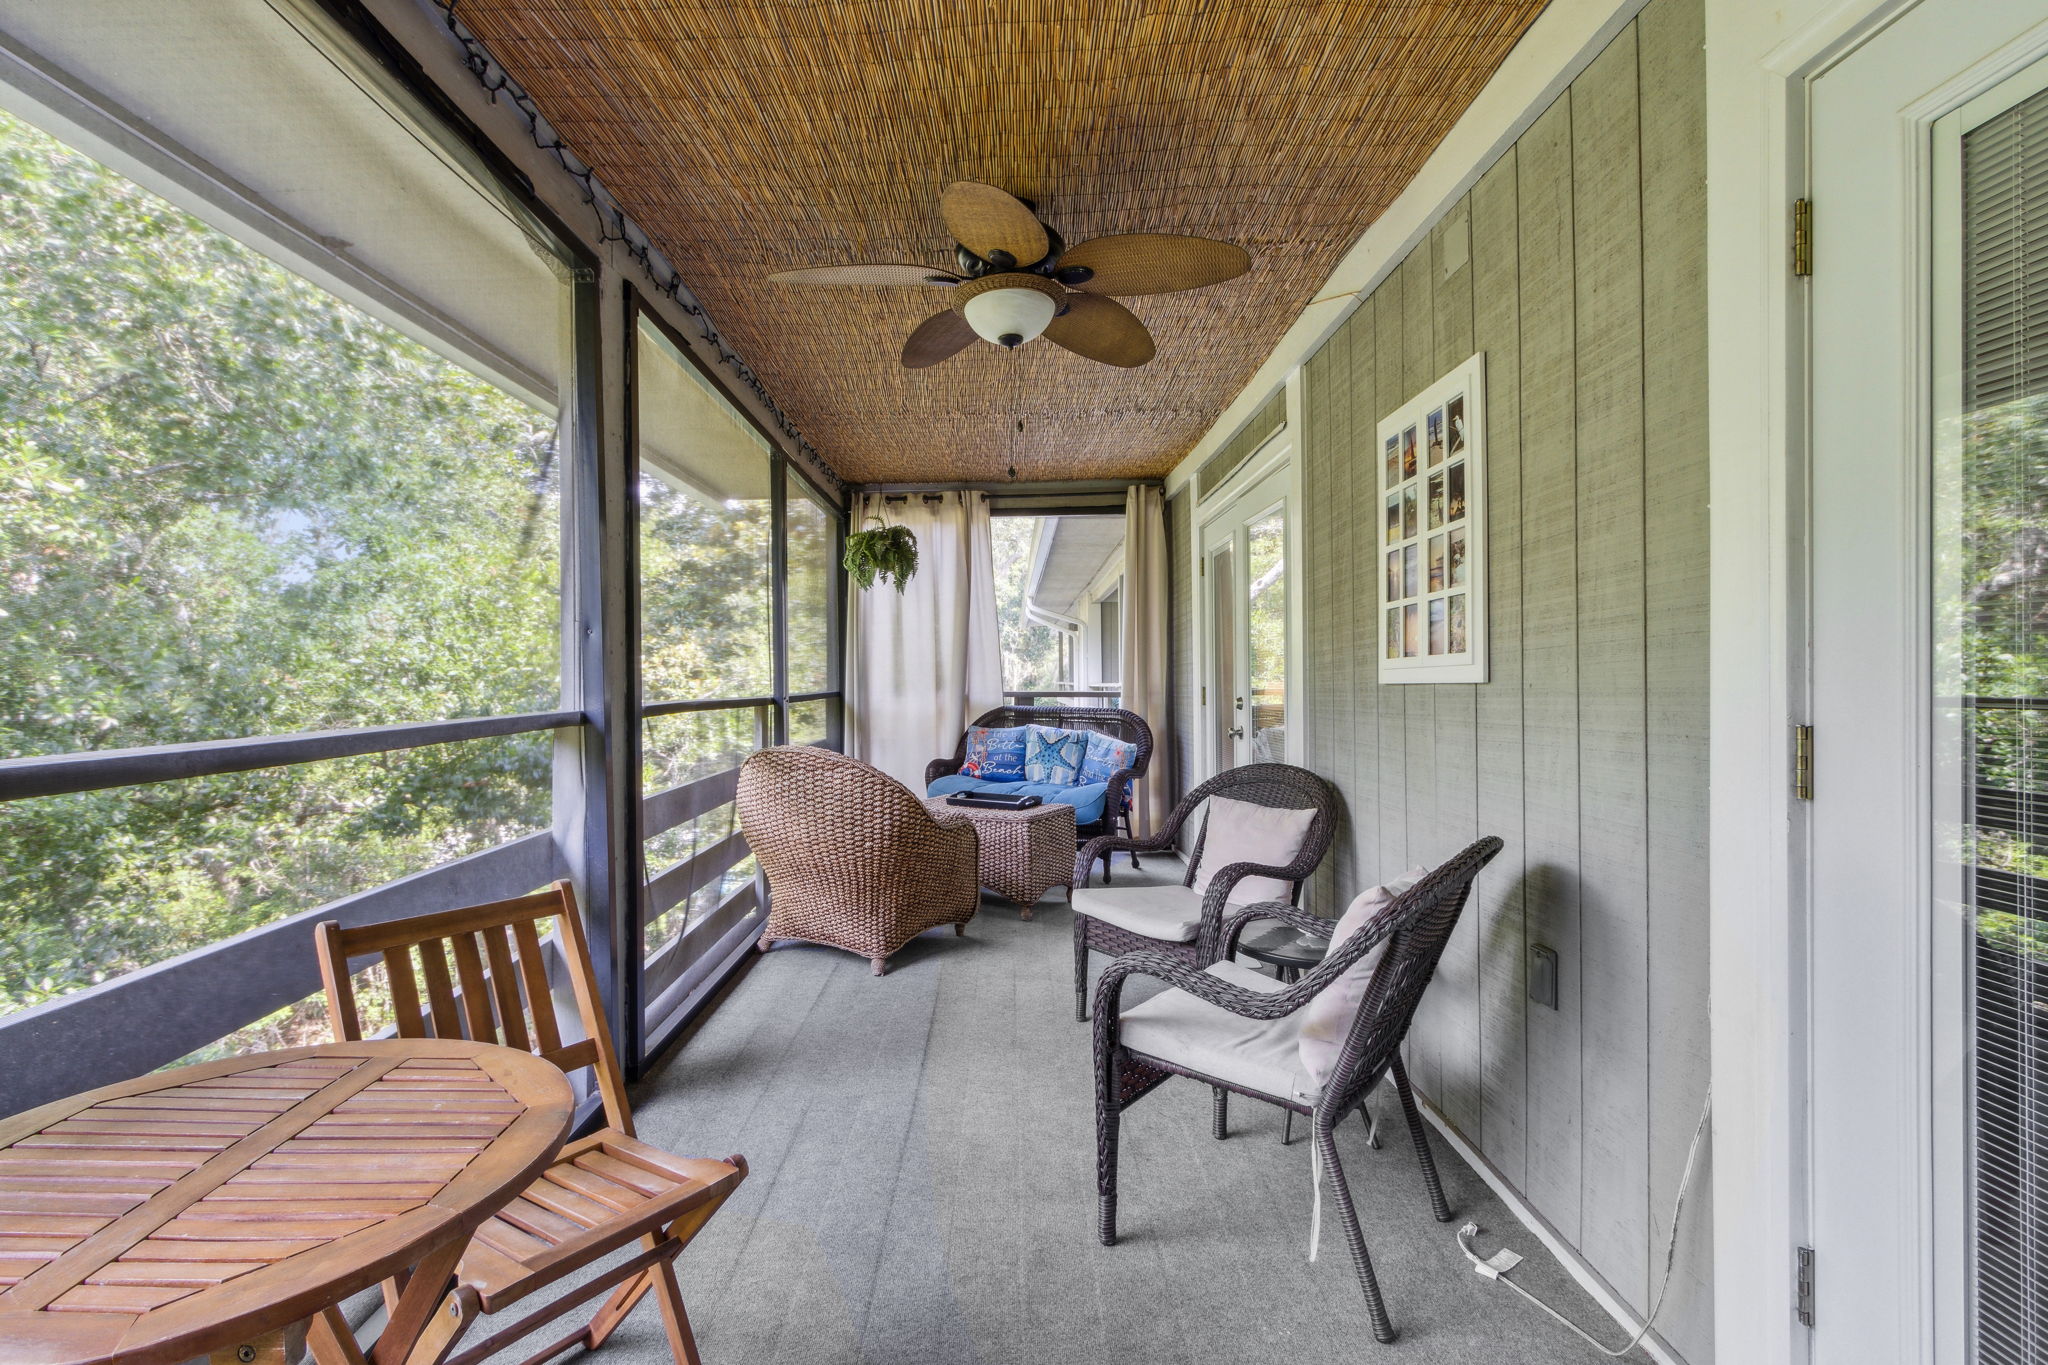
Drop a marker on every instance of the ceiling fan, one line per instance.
(1014, 279)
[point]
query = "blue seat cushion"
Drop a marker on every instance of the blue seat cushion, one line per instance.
(1086, 800)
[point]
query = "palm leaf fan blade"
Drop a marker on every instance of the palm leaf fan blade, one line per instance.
(1101, 329)
(1154, 263)
(939, 337)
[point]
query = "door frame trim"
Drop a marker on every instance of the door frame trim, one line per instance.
(1276, 455)
(1760, 56)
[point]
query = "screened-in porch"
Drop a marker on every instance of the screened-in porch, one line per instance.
(1022, 681)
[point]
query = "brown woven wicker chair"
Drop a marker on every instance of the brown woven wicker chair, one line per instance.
(853, 859)
(1264, 784)
(1415, 929)
(1124, 725)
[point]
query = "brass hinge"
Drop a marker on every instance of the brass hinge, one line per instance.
(1802, 236)
(1203, 566)
(1205, 694)
(1802, 1287)
(1802, 762)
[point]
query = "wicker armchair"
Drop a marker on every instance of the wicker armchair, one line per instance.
(853, 859)
(1124, 725)
(1415, 929)
(1264, 784)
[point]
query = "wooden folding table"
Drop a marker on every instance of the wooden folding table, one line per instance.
(226, 1208)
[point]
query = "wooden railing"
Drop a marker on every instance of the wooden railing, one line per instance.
(1065, 697)
(155, 1015)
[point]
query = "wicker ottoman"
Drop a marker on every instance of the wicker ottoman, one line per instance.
(1024, 853)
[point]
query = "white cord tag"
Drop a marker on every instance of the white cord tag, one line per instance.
(1315, 1208)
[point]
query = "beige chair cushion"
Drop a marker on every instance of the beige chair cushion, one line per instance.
(1171, 914)
(1326, 1020)
(1260, 1055)
(1245, 832)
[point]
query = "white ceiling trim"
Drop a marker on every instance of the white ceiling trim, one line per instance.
(1557, 47)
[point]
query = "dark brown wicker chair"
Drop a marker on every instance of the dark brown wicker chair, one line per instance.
(1415, 928)
(853, 859)
(1265, 784)
(1124, 725)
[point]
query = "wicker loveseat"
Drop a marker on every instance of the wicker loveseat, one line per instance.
(853, 859)
(1100, 807)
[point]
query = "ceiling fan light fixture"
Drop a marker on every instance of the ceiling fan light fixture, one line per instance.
(1009, 310)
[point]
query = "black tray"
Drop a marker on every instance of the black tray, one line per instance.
(995, 800)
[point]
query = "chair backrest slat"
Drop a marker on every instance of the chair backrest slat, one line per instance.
(498, 959)
(546, 1036)
(476, 996)
(505, 984)
(440, 988)
(405, 992)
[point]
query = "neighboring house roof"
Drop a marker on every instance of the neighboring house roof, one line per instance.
(1065, 558)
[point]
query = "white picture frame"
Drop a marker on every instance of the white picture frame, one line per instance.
(1430, 526)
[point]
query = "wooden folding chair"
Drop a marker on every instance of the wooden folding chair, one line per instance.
(601, 1193)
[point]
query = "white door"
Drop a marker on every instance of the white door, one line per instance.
(1248, 626)
(1928, 953)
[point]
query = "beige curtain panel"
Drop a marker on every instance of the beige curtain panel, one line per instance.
(924, 662)
(1147, 679)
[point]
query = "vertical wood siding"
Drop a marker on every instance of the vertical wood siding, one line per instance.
(1576, 264)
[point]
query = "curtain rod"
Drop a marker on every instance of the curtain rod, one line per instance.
(1039, 488)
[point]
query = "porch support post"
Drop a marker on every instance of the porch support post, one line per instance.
(597, 766)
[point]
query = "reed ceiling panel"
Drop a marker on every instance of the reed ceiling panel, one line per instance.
(749, 138)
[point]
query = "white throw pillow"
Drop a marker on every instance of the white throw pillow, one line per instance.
(1242, 832)
(1326, 1020)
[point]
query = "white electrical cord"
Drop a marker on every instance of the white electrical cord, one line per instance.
(1497, 1266)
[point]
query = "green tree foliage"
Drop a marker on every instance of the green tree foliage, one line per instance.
(1031, 651)
(231, 504)
(2002, 574)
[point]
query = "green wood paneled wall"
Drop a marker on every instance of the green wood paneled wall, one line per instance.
(1576, 263)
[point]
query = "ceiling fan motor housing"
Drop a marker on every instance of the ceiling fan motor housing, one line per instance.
(1011, 307)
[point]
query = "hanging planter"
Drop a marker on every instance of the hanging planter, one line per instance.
(888, 553)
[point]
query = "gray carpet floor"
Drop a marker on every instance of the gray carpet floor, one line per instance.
(922, 1190)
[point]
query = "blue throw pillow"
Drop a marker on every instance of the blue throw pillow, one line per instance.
(994, 755)
(1107, 756)
(1054, 756)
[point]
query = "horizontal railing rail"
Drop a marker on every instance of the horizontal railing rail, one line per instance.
(664, 810)
(674, 885)
(97, 770)
(157, 1014)
(653, 709)
(679, 975)
(1108, 698)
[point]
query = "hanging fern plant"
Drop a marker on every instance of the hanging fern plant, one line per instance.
(888, 553)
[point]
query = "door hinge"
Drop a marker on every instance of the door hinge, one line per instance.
(1203, 566)
(1802, 236)
(1205, 695)
(1802, 762)
(1802, 1287)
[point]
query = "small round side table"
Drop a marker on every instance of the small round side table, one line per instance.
(1289, 951)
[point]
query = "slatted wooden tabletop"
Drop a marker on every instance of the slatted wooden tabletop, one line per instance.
(160, 1219)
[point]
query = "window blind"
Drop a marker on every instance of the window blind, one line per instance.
(2004, 634)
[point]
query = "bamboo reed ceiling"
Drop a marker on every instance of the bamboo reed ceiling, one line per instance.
(748, 138)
